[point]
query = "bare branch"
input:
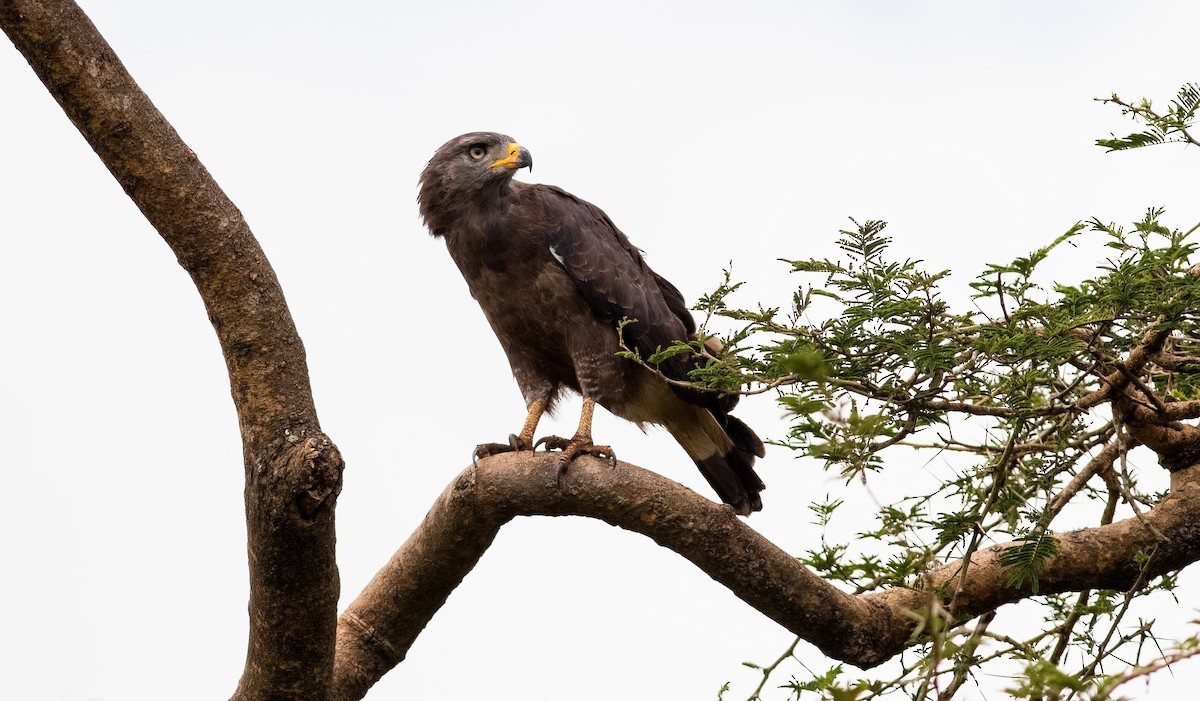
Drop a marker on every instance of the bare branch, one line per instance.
(377, 629)
(1179, 411)
(1103, 460)
(1177, 444)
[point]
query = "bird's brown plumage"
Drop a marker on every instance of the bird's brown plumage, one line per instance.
(553, 276)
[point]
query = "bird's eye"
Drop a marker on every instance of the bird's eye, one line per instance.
(477, 152)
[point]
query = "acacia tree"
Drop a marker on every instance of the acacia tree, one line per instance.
(1045, 397)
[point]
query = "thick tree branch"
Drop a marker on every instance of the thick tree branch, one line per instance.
(1119, 378)
(1176, 443)
(376, 630)
(293, 472)
(1182, 410)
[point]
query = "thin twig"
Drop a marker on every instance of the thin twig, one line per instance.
(769, 669)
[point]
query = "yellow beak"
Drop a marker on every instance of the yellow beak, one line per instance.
(517, 158)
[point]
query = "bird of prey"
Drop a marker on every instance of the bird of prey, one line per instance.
(554, 277)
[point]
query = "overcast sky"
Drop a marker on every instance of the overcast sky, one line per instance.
(709, 132)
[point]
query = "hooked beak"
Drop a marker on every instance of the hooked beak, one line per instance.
(517, 157)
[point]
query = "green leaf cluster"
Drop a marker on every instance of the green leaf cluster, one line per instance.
(1165, 128)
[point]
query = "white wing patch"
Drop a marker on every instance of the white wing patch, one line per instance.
(557, 257)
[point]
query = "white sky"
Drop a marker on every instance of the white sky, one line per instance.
(708, 133)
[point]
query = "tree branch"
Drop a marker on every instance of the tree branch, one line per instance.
(293, 471)
(376, 630)
(1182, 410)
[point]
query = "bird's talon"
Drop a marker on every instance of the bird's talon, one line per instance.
(486, 450)
(552, 443)
(574, 448)
(515, 444)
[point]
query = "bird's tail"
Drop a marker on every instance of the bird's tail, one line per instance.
(725, 456)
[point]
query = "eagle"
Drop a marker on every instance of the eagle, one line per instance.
(555, 278)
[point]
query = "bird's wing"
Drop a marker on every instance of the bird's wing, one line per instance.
(612, 276)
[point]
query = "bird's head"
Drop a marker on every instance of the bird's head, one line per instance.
(471, 170)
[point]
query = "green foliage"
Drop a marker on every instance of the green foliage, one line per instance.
(826, 686)
(1166, 128)
(1024, 561)
(1005, 403)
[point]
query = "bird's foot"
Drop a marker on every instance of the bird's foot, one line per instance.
(515, 444)
(573, 448)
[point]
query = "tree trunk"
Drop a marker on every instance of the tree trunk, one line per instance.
(293, 471)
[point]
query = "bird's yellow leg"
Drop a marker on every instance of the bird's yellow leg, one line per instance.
(536, 408)
(584, 432)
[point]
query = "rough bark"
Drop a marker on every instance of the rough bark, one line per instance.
(293, 472)
(376, 630)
